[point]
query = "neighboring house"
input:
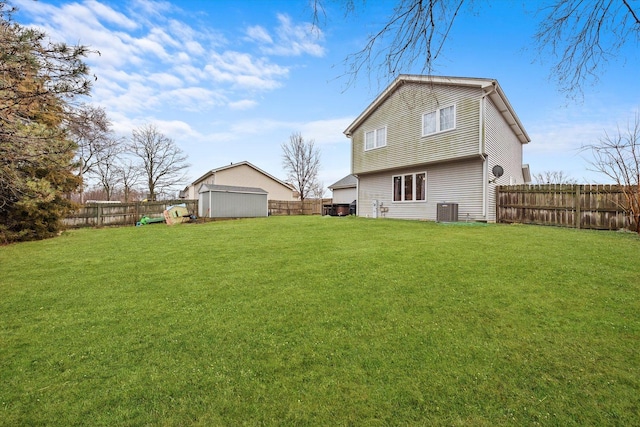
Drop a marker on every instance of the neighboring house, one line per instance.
(345, 190)
(427, 140)
(242, 174)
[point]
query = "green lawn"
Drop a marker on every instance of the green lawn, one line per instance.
(321, 321)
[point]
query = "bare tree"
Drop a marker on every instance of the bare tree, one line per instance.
(617, 156)
(107, 166)
(584, 35)
(318, 189)
(416, 32)
(301, 160)
(90, 128)
(130, 175)
(108, 177)
(553, 177)
(580, 35)
(163, 162)
(97, 147)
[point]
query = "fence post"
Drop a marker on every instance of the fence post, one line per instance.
(578, 205)
(98, 214)
(497, 190)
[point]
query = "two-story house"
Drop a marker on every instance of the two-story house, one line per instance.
(428, 140)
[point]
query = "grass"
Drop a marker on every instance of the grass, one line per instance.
(321, 321)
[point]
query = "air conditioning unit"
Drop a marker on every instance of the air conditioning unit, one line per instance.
(447, 212)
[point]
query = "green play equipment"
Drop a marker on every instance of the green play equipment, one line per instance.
(146, 220)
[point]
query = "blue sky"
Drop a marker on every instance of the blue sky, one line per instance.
(231, 80)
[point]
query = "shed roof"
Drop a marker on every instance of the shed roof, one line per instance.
(490, 86)
(230, 189)
(349, 181)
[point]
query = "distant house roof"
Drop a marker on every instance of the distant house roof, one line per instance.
(230, 189)
(233, 165)
(349, 181)
(490, 86)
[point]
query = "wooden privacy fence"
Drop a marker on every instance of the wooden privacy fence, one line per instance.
(296, 207)
(100, 214)
(599, 207)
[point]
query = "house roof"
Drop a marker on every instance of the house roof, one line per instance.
(491, 88)
(349, 181)
(244, 163)
(230, 189)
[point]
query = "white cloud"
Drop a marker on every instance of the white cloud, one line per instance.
(570, 129)
(149, 46)
(243, 104)
(327, 131)
(291, 39)
(136, 98)
(158, 66)
(190, 73)
(323, 132)
(259, 34)
(257, 126)
(116, 77)
(166, 80)
(152, 8)
(194, 48)
(557, 140)
(177, 129)
(154, 52)
(105, 13)
(191, 99)
(243, 70)
(299, 39)
(162, 37)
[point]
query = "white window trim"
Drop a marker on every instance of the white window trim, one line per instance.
(402, 175)
(437, 113)
(375, 138)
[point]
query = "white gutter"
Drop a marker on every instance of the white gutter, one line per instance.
(357, 194)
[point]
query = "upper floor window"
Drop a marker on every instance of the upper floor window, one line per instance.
(410, 187)
(375, 138)
(438, 121)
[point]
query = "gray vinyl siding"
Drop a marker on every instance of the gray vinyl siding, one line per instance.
(217, 202)
(502, 148)
(238, 205)
(203, 204)
(454, 182)
(402, 114)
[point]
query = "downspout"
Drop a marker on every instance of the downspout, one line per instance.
(357, 194)
(481, 150)
(348, 135)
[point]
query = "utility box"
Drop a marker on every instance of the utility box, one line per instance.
(447, 212)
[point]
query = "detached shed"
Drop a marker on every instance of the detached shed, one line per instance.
(227, 201)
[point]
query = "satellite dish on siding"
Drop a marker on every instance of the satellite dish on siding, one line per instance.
(497, 171)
